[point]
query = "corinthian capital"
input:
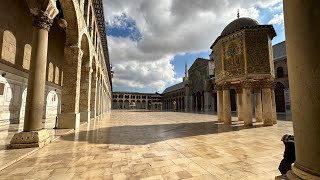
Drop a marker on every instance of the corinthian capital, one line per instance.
(43, 12)
(42, 20)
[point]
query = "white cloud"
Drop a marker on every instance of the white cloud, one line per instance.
(168, 27)
(277, 19)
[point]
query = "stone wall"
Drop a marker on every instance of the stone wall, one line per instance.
(13, 97)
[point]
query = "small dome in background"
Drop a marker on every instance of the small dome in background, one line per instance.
(238, 24)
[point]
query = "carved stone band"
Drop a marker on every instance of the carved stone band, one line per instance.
(226, 86)
(218, 87)
(268, 84)
(42, 21)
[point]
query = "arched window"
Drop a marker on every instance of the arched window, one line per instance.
(280, 72)
(9, 44)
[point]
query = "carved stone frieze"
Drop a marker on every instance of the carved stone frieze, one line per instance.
(267, 83)
(226, 86)
(257, 49)
(246, 84)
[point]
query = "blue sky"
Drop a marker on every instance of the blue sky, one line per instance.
(147, 60)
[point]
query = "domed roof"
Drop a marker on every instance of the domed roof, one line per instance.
(238, 24)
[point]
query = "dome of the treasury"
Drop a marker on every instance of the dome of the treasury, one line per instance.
(239, 24)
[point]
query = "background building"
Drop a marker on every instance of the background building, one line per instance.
(135, 100)
(197, 92)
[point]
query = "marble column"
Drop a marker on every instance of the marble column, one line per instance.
(274, 111)
(186, 103)
(220, 103)
(33, 134)
(239, 103)
(266, 104)
(247, 103)
(226, 105)
(97, 96)
(258, 104)
(101, 96)
(93, 98)
(302, 27)
(85, 94)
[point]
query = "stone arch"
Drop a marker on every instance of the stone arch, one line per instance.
(138, 104)
(85, 81)
(143, 104)
(126, 104)
(71, 16)
(121, 104)
(279, 96)
(52, 104)
(115, 104)
(149, 104)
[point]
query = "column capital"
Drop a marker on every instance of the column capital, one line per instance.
(226, 86)
(256, 86)
(43, 13)
(218, 87)
(42, 20)
(238, 88)
(267, 83)
(246, 84)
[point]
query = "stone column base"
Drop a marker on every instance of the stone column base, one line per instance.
(30, 139)
(68, 121)
(85, 116)
(298, 174)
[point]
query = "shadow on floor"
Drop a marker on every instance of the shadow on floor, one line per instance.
(147, 134)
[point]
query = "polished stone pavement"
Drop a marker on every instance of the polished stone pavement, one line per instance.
(158, 145)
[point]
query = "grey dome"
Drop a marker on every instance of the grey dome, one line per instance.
(238, 24)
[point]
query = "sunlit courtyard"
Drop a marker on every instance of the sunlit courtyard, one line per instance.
(158, 145)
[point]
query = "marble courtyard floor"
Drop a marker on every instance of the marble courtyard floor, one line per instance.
(158, 145)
